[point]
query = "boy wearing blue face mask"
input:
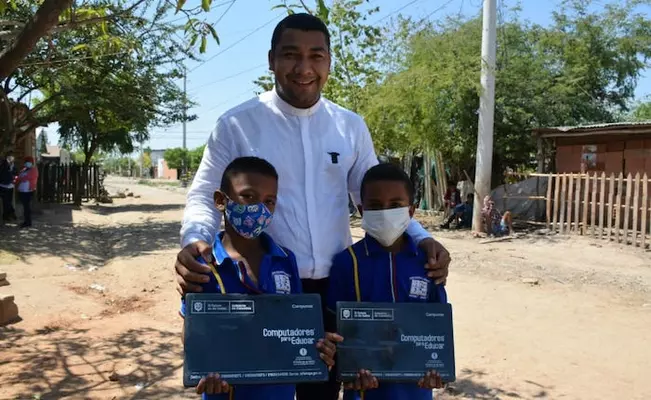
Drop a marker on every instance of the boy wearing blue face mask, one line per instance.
(246, 260)
(385, 266)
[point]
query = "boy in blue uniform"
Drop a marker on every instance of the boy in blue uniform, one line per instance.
(246, 260)
(385, 266)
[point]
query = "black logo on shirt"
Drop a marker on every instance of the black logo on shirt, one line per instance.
(334, 157)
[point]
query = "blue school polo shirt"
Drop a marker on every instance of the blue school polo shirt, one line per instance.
(367, 272)
(278, 275)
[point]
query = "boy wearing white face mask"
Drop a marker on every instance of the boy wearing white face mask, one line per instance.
(385, 266)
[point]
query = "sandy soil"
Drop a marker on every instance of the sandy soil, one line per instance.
(581, 332)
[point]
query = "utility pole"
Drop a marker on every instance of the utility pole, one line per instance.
(185, 105)
(142, 158)
(484, 163)
(185, 117)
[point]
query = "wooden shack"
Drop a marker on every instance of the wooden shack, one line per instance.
(611, 148)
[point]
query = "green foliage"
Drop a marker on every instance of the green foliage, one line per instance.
(177, 158)
(581, 69)
(109, 101)
(642, 112)
(42, 141)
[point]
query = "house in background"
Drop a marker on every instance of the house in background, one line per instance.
(611, 148)
(55, 154)
(161, 170)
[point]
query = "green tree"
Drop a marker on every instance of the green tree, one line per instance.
(581, 69)
(176, 158)
(641, 112)
(42, 141)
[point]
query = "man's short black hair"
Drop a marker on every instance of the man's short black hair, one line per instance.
(246, 165)
(300, 21)
(388, 172)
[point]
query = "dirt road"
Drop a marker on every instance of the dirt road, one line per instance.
(99, 321)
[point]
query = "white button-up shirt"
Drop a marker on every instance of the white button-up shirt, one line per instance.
(320, 154)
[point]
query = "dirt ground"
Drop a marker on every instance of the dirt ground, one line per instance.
(99, 311)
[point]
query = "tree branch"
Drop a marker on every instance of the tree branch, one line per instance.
(45, 18)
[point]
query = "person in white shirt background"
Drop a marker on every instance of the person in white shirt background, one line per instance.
(321, 152)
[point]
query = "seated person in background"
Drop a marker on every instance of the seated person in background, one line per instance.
(494, 223)
(452, 197)
(385, 266)
(462, 215)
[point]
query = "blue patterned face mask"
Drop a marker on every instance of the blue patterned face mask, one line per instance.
(250, 220)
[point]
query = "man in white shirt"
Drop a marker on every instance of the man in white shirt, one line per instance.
(321, 152)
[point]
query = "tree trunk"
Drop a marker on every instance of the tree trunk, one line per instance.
(46, 17)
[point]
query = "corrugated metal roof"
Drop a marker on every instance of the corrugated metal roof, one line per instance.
(615, 128)
(596, 126)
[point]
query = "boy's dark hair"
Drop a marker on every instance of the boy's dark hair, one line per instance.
(246, 165)
(300, 21)
(388, 172)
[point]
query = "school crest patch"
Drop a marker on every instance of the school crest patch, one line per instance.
(419, 287)
(282, 281)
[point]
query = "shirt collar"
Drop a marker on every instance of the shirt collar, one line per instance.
(273, 249)
(289, 109)
(373, 246)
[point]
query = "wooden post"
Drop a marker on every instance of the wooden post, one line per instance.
(627, 209)
(548, 201)
(562, 208)
(570, 192)
(586, 204)
(636, 207)
(427, 187)
(618, 203)
(645, 209)
(611, 194)
(577, 205)
(602, 201)
(593, 207)
(557, 191)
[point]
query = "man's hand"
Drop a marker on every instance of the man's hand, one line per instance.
(189, 271)
(438, 259)
(328, 347)
(364, 381)
(212, 384)
(431, 380)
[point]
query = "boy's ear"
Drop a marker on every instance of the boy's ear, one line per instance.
(412, 210)
(361, 210)
(220, 200)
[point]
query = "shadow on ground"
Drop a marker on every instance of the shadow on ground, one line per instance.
(143, 208)
(469, 386)
(58, 363)
(91, 244)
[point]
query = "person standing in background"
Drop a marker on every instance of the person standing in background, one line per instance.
(26, 184)
(7, 177)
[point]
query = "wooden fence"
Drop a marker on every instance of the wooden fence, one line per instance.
(607, 207)
(67, 183)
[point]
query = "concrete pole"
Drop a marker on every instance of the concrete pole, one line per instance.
(486, 112)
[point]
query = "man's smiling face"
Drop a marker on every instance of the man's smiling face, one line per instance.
(301, 64)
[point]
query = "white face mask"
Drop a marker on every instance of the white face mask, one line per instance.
(10, 159)
(386, 226)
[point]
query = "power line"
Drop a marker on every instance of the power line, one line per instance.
(225, 12)
(231, 98)
(397, 10)
(238, 41)
(214, 6)
(437, 10)
(230, 76)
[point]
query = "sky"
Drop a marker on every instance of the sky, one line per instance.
(224, 78)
